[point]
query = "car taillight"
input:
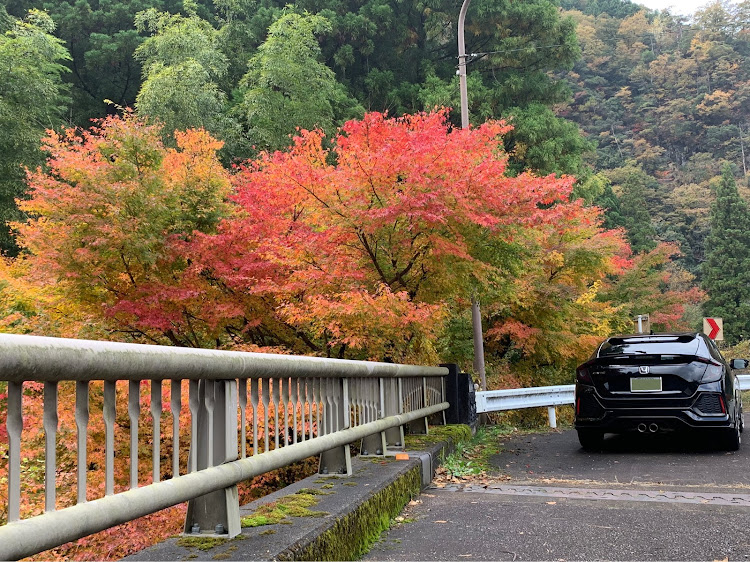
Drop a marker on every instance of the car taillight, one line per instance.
(583, 374)
(723, 404)
(713, 371)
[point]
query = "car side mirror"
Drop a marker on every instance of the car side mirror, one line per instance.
(739, 363)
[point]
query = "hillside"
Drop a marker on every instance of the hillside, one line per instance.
(666, 101)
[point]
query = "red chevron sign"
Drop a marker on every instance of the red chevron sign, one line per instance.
(714, 328)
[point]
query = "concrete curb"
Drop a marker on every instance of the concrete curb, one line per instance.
(351, 514)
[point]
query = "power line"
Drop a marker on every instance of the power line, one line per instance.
(471, 57)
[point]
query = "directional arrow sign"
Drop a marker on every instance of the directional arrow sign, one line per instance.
(714, 328)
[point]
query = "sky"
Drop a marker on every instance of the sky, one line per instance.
(684, 7)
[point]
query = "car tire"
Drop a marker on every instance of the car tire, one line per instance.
(591, 439)
(732, 438)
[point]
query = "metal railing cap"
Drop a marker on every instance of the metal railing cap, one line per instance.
(38, 358)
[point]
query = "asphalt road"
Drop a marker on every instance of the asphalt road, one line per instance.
(639, 499)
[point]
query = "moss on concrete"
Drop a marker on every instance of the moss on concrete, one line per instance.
(294, 505)
(226, 554)
(351, 536)
(456, 434)
(201, 543)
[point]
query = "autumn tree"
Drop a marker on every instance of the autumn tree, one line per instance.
(365, 249)
(655, 284)
(107, 213)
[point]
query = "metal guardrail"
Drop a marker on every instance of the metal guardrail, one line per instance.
(534, 397)
(282, 408)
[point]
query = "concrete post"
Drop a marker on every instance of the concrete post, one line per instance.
(338, 461)
(393, 404)
(217, 512)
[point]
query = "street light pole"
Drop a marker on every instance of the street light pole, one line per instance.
(476, 316)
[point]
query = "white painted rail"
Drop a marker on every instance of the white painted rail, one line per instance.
(519, 398)
(744, 381)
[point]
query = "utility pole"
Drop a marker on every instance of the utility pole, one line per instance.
(476, 316)
(462, 66)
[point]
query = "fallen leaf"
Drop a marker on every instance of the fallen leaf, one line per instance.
(441, 521)
(551, 503)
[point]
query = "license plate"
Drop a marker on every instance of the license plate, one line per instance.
(645, 384)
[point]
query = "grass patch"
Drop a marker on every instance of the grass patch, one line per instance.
(472, 457)
(294, 505)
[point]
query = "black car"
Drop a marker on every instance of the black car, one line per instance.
(658, 383)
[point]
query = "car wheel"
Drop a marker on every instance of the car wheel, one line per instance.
(591, 439)
(732, 438)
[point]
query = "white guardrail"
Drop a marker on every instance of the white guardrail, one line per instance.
(541, 396)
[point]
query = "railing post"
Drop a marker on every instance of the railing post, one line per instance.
(337, 461)
(14, 423)
(82, 429)
(552, 415)
(421, 426)
(217, 512)
(50, 445)
(374, 445)
(393, 404)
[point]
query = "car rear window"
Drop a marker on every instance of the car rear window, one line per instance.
(679, 345)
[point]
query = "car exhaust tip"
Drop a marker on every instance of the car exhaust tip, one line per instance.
(653, 428)
(642, 427)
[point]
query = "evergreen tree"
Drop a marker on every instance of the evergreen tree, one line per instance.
(726, 271)
(182, 64)
(633, 210)
(288, 87)
(32, 98)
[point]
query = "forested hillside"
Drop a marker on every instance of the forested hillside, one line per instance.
(666, 101)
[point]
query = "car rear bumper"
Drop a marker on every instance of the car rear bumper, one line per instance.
(620, 416)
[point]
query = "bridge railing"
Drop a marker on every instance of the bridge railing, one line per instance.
(249, 413)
